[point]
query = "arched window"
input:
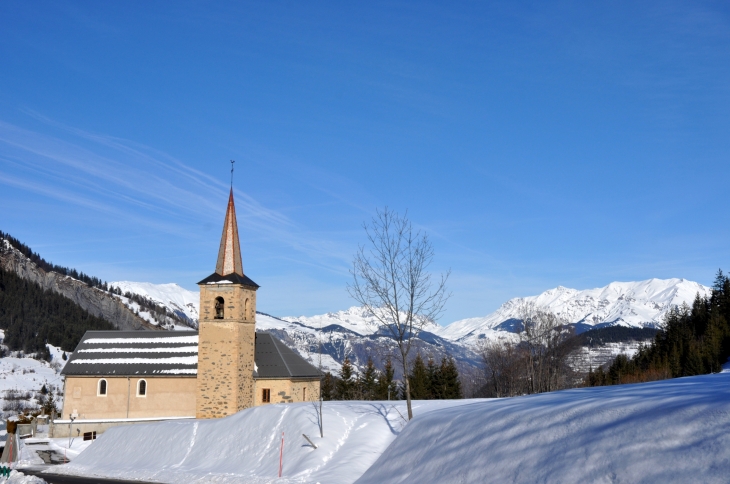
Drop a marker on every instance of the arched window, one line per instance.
(245, 309)
(101, 389)
(219, 307)
(142, 388)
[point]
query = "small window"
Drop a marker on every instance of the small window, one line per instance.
(266, 395)
(142, 388)
(304, 394)
(101, 391)
(219, 304)
(245, 309)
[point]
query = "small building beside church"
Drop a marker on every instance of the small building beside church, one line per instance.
(125, 377)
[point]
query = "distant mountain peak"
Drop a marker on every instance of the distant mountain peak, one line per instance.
(635, 304)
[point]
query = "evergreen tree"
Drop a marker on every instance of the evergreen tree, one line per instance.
(328, 387)
(418, 379)
(435, 386)
(368, 381)
(449, 379)
(386, 388)
(347, 382)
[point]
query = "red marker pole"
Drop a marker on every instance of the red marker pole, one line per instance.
(281, 454)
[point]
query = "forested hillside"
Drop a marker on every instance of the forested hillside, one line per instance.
(32, 317)
(49, 267)
(693, 341)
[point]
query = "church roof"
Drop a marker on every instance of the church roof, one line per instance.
(229, 253)
(216, 278)
(229, 267)
(172, 353)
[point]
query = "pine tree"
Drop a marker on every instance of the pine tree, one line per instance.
(418, 380)
(387, 389)
(347, 382)
(449, 379)
(368, 381)
(328, 387)
(433, 374)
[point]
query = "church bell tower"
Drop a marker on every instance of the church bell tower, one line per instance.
(227, 330)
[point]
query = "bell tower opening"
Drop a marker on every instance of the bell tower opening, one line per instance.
(219, 307)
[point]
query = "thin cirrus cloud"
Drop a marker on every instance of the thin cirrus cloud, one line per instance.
(137, 184)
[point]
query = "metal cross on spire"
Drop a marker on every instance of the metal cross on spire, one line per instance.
(232, 162)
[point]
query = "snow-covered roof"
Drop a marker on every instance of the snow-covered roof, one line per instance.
(130, 353)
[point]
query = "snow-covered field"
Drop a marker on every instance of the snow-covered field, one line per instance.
(669, 431)
(245, 447)
(21, 379)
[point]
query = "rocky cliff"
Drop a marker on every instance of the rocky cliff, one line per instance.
(93, 300)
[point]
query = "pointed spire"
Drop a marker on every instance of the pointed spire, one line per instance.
(229, 254)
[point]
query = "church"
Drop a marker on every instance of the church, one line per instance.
(127, 377)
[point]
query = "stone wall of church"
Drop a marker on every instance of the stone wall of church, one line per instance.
(225, 368)
(226, 350)
(164, 397)
(282, 390)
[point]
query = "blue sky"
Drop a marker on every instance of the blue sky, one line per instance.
(537, 143)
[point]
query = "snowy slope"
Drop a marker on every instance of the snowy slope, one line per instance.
(668, 431)
(176, 299)
(245, 447)
(636, 304)
(22, 377)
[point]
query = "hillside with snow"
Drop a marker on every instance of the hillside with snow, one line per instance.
(667, 431)
(180, 302)
(22, 377)
(633, 304)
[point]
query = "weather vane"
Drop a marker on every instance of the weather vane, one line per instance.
(232, 162)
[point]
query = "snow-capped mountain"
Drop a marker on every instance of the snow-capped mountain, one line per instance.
(177, 300)
(350, 333)
(634, 304)
(355, 319)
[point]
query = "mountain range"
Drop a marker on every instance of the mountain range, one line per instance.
(631, 304)
(352, 333)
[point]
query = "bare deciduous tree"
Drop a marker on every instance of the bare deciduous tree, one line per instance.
(505, 365)
(537, 363)
(546, 338)
(391, 280)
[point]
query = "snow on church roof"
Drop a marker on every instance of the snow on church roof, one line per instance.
(130, 353)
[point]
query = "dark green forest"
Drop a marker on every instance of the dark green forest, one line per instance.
(32, 317)
(615, 334)
(49, 267)
(428, 381)
(693, 341)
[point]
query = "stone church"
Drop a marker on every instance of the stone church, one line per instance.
(126, 377)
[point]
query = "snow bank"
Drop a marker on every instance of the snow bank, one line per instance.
(245, 447)
(668, 431)
(20, 478)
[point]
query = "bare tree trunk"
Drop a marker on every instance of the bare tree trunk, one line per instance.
(407, 389)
